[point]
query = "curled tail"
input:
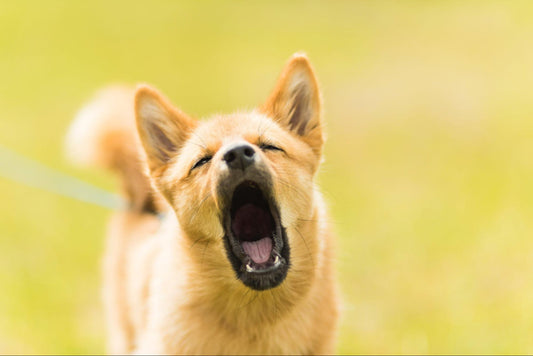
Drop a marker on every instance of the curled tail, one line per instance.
(104, 134)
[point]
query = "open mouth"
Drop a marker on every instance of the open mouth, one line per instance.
(255, 240)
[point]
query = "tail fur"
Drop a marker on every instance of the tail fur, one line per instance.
(104, 134)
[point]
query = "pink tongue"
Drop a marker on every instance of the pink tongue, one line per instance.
(259, 251)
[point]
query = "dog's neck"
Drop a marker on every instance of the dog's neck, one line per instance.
(228, 301)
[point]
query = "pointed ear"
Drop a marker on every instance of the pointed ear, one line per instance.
(162, 128)
(295, 102)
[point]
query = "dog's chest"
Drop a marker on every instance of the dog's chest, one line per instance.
(206, 336)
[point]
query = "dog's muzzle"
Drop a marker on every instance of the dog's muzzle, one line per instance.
(255, 240)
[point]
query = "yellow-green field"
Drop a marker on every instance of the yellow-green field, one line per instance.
(429, 167)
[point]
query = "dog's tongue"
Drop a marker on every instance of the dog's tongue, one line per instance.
(252, 225)
(259, 251)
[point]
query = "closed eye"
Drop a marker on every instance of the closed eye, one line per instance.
(201, 162)
(269, 147)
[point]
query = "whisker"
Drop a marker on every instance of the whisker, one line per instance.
(199, 207)
(243, 297)
(198, 144)
(200, 138)
(261, 133)
(329, 221)
(253, 300)
(196, 241)
(292, 187)
(278, 312)
(306, 246)
(203, 252)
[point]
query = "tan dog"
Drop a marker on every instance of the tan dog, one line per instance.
(242, 261)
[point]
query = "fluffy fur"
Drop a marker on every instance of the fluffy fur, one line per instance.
(169, 287)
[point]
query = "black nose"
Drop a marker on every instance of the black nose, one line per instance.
(239, 156)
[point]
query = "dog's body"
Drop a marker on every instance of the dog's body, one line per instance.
(230, 252)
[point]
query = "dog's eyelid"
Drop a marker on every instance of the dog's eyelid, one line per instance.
(265, 146)
(201, 161)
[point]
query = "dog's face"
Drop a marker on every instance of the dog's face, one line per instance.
(241, 182)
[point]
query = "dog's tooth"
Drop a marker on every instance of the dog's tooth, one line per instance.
(276, 260)
(249, 268)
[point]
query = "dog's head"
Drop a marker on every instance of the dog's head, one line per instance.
(242, 183)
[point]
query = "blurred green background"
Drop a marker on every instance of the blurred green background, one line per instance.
(428, 169)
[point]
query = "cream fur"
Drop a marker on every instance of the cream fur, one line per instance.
(169, 287)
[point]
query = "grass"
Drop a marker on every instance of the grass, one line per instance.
(428, 169)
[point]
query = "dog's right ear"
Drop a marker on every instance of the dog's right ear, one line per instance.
(162, 128)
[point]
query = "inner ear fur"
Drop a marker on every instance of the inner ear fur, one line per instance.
(162, 128)
(296, 103)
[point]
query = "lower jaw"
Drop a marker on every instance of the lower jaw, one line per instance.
(266, 280)
(274, 262)
(261, 276)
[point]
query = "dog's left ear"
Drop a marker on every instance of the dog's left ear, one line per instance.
(295, 102)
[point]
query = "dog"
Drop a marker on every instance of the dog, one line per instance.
(225, 245)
